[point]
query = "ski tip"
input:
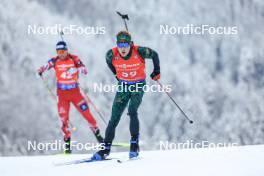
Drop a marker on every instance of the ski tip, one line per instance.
(121, 144)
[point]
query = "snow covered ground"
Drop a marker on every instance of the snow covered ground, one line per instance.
(231, 161)
(216, 79)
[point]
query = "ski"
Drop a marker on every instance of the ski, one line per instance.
(121, 144)
(80, 161)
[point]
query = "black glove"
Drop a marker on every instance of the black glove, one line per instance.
(41, 70)
(155, 75)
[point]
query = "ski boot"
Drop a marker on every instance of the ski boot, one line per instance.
(67, 149)
(97, 134)
(134, 147)
(103, 153)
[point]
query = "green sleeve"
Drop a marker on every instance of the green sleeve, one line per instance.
(109, 57)
(148, 53)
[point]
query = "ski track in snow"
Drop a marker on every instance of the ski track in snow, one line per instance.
(229, 161)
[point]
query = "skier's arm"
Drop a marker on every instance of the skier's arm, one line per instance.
(78, 61)
(79, 65)
(50, 64)
(109, 57)
(148, 53)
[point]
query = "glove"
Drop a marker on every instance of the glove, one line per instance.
(83, 70)
(41, 70)
(155, 75)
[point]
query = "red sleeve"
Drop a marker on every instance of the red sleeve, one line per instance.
(77, 61)
(50, 64)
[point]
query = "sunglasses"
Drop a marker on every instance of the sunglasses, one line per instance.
(61, 51)
(123, 45)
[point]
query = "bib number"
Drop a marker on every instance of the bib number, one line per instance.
(65, 75)
(131, 74)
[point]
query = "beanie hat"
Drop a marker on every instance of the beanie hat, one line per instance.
(123, 36)
(61, 45)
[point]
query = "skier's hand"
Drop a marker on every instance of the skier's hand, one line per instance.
(83, 70)
(41, 70)
(155, 75)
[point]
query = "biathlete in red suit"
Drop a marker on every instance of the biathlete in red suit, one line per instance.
(67, 68)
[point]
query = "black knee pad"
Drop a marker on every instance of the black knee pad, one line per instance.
(84, 106)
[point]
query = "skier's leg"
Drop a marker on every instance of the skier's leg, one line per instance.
(135, 101)
(63, 111)
(82, 106)
(118, 107)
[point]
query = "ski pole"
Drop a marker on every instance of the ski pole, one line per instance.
(54, 97)
(48, 88)
(124, 17)
(95, 108)
(61, 35)
(190, 121)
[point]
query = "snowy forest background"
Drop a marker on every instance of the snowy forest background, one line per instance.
(217, 80)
